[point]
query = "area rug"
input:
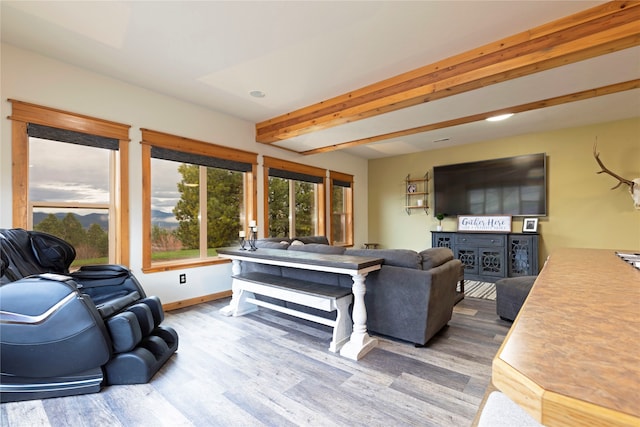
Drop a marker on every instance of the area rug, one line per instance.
(482, 290)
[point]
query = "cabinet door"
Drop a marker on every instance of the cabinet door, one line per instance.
(469, 258)
(442, 240)
(523, 255)
(492, 262)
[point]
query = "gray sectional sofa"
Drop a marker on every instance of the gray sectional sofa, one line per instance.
(410, 298)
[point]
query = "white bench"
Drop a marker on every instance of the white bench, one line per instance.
(310, 294)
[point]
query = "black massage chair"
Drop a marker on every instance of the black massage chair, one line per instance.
(65, 333)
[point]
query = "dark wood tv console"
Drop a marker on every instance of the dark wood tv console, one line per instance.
(491, 256)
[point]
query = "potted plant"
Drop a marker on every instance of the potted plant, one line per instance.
(440, 217)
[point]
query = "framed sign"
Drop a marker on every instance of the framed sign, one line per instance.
(485, 223)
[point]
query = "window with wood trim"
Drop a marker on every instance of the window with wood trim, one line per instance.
(294, 203)
(341, 208)
(197, 197)
(70, 179)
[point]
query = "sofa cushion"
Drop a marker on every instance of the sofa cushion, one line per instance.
(267, 244)
(434, 257)
(318, 248)
(313, 239)
(397, 257)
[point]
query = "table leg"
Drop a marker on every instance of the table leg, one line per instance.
(360, 342)
(238, 306)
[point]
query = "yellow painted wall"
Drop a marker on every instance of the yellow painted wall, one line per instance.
(583, 211)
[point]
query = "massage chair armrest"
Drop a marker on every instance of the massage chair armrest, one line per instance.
(106, 282)
(100, 275)
(104, 267)
(110, 307)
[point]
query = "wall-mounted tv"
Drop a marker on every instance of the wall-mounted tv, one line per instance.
(508, 186)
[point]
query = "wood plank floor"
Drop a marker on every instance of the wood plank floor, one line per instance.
(268, 369)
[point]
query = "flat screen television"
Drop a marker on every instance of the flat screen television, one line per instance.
(509, 186)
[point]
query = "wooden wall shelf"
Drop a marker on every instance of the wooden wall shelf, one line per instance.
(416, 193)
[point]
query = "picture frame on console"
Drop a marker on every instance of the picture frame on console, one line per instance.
(530, 225)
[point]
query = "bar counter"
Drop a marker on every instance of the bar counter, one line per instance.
(572, 356)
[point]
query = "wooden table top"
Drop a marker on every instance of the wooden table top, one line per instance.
(572, 356)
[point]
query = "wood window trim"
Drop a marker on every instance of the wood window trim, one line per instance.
(194, 146)
(23, 113)
(339, 176)
(152, 138)
(273, 162)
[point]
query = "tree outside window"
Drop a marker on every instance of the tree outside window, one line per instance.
(341, 205)
(177, 210)
(197, 199)
(294, 199)
(338, 217)
(305, 208)
(292, 206)
(278, 201)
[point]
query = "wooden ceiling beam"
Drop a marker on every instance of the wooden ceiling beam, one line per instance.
(549, 102)
(597, 31)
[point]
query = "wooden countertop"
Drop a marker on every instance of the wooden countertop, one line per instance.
(572, 356)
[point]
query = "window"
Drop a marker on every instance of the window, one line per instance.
(196, 199)
(69, 179)
(341, 208)
(294, 199)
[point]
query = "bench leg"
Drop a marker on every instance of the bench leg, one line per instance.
(343, 327)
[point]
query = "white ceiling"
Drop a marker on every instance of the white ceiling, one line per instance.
(213, 53)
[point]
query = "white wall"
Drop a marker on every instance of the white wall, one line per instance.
(29, 77)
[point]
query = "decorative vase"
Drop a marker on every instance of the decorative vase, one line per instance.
(439, 228)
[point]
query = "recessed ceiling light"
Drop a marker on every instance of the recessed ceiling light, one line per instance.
(257, 94)
(498, 118)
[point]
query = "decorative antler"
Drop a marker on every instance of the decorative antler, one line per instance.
(608, 172)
